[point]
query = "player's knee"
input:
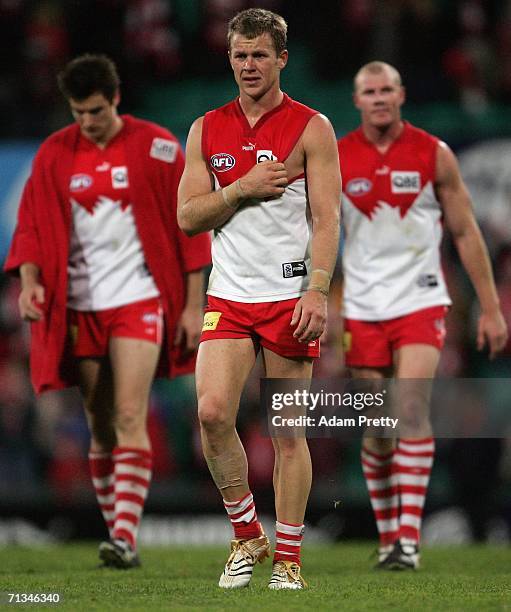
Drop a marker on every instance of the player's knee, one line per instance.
(213, 415)
(130, 417)
(413, 414)
(288, 448)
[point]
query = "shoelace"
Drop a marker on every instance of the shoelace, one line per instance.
(247, 555)
(293, 570)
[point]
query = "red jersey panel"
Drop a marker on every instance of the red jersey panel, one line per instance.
(393, 226)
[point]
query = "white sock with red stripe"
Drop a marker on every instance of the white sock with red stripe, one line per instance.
(132, 467)
(243, 517)
(383, 493)
(413, 461)
(102, 472)
(288, 541)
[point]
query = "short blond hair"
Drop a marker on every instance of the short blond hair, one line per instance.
(377, 67)
(255, 21)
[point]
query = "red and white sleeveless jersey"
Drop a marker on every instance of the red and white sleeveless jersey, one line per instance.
(106, 266)
(393, 226)
(262, 253)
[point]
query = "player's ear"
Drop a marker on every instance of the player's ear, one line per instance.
(402, 98)
(117, 97)
(282, 59)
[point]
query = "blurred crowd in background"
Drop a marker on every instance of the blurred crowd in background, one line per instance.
(445, 49)
(456, 51)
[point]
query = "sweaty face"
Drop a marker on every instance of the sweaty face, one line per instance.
(96, 116)
(379, 98)
(255, 64)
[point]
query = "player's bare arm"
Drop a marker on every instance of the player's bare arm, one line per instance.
(200, 207)
(324, 191)
(453, 194)
(32, 293)
(189, 326)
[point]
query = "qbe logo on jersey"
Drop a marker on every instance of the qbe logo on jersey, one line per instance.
(164, 150)
(265, 155)
(405, 182)
(222, 162)
(120, 177)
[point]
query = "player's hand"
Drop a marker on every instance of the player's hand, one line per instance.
(492, 330)
(188, 329)
(309, 316)
(264, 180)
(29, 302)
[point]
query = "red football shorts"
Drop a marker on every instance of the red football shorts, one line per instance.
(372, 343)
(266, 323)
(91, 330)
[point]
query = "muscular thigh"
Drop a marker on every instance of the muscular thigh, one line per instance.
(96, 385)
(223, 366)
(133, 363)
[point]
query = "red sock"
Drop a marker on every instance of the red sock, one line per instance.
(288, 542)
(132, 480)
(243, 517)
(383, 492)
(102, 473)
(413, 461)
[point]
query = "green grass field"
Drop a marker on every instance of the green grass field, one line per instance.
(340, 578)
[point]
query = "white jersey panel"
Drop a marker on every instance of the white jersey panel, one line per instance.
(391, 263)
(106, 265)
(251, 249)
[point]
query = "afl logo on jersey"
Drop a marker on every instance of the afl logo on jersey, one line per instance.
(80, 182)
(358, 187)
(221, 162)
